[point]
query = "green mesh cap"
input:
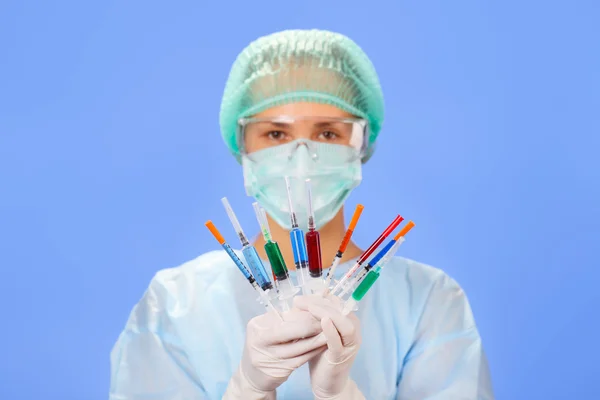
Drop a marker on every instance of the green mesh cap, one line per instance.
(301, 65)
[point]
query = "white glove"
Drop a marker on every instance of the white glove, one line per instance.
(273, 350)
(330, 370)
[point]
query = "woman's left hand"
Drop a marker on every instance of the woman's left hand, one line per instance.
(330, 370)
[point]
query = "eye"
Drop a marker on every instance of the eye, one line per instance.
(329, 135)
(276, 135)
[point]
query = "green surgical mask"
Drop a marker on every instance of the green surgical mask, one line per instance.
(334, 171)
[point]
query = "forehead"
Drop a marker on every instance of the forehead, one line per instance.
(304, 110)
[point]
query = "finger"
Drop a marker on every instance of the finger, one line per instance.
(291, 331)
(296, 315)
(303, 302)
(300, 347)
(334, 341)
(303, 359)
(344, 324)
(270, 330)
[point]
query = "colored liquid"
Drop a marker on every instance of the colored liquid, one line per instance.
(345, 241)
(300, 256)
(238, 262)
(313, 246)
(365, 285)
(276, 260)
(381, 253)
(380, 239)
(299, 248)
(257, 267)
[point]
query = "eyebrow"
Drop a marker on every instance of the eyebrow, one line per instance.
(323, 124)
(278, 124)
(328, 123)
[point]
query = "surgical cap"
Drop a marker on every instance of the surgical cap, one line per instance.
(301, 66)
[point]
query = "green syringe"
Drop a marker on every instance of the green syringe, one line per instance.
(284, 283)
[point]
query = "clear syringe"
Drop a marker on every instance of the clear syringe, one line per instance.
(384, 256)
(368, 252)
(242, 267)
(249, 252)
(298, 245)
(278, 267)
(340, 253)
(313, 245)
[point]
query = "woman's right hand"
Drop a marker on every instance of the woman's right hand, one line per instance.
(273, 350)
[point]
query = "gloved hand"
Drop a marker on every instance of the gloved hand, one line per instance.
(273, 350)
(330, 370)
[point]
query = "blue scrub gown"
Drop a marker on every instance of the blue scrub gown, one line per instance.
(184, 339)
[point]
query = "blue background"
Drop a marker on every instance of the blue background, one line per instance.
(109, 134)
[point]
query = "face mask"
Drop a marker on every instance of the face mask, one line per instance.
(334, 171)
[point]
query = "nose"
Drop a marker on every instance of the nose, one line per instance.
(304, 145)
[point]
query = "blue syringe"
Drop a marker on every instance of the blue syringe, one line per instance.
(298, 245)
(264, 295)
(249, 252)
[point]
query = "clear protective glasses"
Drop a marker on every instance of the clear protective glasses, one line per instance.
(256, 134)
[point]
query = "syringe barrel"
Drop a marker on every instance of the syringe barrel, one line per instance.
(313, 246)
(239, 263)
(345, 241)
(390, 254)
(380, 239)
(353, 284)
(299, 248)
(257, 267)
(300, 256)
(334, 264)
(345, 278)
(276, 260)
(365, 285)
(382, 253)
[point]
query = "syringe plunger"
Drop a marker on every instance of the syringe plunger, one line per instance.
(311, 212)
(234, 221)
(289, 194)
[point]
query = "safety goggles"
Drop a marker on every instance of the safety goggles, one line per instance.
(256, 134)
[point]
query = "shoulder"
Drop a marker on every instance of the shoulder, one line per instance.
(202, 270)
(420, 276)
(190, 291)
(423, 288)
(438, 305)
(194, 281)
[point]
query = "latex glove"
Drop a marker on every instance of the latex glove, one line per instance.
(330, 371)
(272, 351)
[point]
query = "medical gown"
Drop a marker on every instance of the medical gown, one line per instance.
(184, 338)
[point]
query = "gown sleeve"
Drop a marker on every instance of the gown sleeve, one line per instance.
(148, 360)
(446, 359)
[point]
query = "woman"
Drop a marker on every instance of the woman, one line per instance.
(303, 104)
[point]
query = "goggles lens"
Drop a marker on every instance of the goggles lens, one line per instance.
(256, 134)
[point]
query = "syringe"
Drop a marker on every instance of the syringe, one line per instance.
(280, 272)
(361, 290)
(249, 252)
(298, 245)
(338, 257)
(370, 278)
(240, 264)
(368, 252)
(313, 245)
(384, 256)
